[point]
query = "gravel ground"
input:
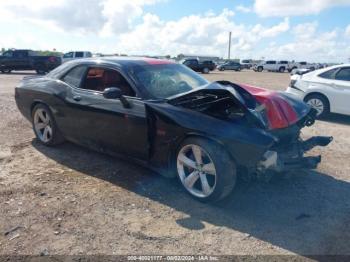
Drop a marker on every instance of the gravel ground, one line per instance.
(70, 200)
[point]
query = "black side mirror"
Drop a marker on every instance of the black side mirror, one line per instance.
(112, 93)
(116, 93)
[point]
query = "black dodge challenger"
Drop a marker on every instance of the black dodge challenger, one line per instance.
(169, 118)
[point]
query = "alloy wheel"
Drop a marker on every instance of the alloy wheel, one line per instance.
(196, 170)
(317, 104)
(43, 125)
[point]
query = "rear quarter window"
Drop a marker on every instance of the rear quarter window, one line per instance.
(328, 74)
(343, 74)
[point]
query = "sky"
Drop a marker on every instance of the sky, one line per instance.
(301, 30)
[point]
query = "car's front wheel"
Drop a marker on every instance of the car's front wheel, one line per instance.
(318, 102)
(260, 69)
(205, 169)
(45, 127)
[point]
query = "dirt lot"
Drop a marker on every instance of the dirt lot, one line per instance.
(69, 200)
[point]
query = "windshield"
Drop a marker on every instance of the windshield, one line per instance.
(166, 80)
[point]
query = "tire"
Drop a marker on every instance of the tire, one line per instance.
(320, 103)
(40, 71)
(6, 71)
(213, 185)
(44, 126)
(222, 69)
(238, 69)
(260, 69)
(281, 69)
(205, 70)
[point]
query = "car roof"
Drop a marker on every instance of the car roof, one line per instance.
(322, 70)
(332, 67)
(123, 61)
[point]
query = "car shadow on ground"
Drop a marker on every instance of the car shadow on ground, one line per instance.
(337, 119)
(305, 214)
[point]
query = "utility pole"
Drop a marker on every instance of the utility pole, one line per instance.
(229, 46)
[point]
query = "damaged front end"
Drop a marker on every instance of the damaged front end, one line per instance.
(288, 153)
(285, 117)
(279, 115)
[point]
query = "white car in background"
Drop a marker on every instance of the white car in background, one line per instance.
(327, 90)
(272, 65)
(75, 55)
(302, 65)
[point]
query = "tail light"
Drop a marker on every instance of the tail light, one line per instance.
(52, 59)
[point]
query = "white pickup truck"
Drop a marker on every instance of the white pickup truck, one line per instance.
(272, 65)
(75, 55)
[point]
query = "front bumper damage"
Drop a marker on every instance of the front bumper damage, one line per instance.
(291, 157)
(288, 154)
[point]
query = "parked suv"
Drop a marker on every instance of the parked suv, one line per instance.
(25, 59)
(246, 64)
(230, 65)
(205, 67)
(75, 55)
(272, 65)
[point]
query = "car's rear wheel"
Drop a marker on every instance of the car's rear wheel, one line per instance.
(282, 69)
(6, 71)
(40, 71)
(45, 127)
(205, 169)
(318, 102)
(206, 70)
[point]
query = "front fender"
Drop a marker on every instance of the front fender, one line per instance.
(170, 125)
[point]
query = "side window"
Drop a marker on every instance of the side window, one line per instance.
(20, 54)
(88, 54)
(98, 79)
(190, 62)
(74, 76)
(79, 54)
(328, 74)
(343, 74)
(68, 55)
(270, 62)
(32, 53)
(8, 54)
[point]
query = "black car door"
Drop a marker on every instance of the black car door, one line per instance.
(105, 124)
(20, 60)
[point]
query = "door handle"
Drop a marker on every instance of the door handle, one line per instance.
(77, 98)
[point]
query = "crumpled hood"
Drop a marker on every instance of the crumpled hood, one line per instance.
(282, 110)
(276, 109)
